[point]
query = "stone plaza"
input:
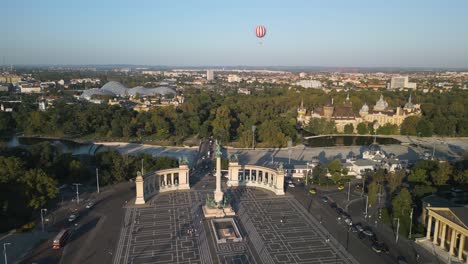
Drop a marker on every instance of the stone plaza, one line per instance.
(171, 228)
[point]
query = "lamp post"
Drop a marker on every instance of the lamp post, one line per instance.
(253, 136)
(398, 228)
(367, 205)
(4, 252)
(43, 210)
(77, 192)
(411, 222)
(97, 179)
(349, 189)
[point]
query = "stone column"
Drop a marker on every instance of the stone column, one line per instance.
(452, 242)
(436, 232)
(461, 247)
(218, 194)
(429, 226)
(442, 239)
(140, 195)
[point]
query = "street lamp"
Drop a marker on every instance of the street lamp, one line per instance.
(43, 210)
(398, 228)
(253, 136)
(77, 192)
(97, 179)
(367, 205)
(411, 222)
(4, 251)
(349, 189)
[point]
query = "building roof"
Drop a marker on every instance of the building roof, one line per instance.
(117, 89)
(363, 162)
(437, 201)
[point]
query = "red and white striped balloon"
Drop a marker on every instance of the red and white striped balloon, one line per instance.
(260, 31)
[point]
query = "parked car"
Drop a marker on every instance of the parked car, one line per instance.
(359, 227)
(291, 185)
(340, 187)
(354, 229)
(368, 232)
(361, 235)
(333, 205)
(313, 191)
(402, 260)
(89, 205)
(380, 247)
(324, 199)
(348, 221)
(72, 217)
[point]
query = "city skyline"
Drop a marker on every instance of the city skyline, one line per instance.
(426, 34)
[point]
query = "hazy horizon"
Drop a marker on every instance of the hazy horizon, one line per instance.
(361, 34)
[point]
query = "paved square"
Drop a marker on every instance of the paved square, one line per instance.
(276, 230)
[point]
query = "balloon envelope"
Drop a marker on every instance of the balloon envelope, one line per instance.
(260, 31)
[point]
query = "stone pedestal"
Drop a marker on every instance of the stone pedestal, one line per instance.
(140, 195)
(217, 212)
(218, 196)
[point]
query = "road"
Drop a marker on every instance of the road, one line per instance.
(94, 233)
(359, 248)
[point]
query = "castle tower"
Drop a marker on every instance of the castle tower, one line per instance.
(301, 113)
(328, 111)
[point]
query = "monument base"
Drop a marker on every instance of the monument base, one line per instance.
(218, 196)
(216, 212)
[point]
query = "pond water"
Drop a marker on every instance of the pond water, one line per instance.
(66, 146)
(332, 141)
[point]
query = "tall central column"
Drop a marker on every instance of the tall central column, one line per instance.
(218, 194)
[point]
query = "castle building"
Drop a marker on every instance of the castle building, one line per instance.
(380, 114)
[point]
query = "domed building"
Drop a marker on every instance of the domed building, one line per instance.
(116, 89)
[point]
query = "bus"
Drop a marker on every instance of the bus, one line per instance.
(60, 239)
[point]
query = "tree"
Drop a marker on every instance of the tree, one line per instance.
(372, 192)
(336, 170)
(401, 203)
(39, 187)
(441, 175)
(319, 171)
(461, 177)
(424, 128)
(320, 126)
(387, 129)
(349, 129)
(418, 176)
(222, 124)
(395, 179)
(362, 129)
(408, 127)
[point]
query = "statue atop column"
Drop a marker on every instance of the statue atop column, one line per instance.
(218, 152)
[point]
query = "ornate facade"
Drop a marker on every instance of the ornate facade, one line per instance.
(381, 114)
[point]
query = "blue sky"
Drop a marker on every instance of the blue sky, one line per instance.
(342, 33)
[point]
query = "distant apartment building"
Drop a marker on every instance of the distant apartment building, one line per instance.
(302, 75)
(9, 78)
(234, 78)
(309, 84)
(26, 87)
(244, 91)
(209, 75)
(401, 82)
(3, 88)
(149, 72)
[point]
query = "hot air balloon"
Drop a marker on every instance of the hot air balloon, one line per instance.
(260, 31)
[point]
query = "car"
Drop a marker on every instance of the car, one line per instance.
(291, 185)
(290, 181)
(402, 260)
(324, 199)
(353, 229)
(339, 210)
(333, 205)
(72, 217)
(340, 187)
(376, 248)
(313, 191)
(89, 205)
(348, 221)
(367, 232)
(380, 247)
(359, 227)
(361, 235)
